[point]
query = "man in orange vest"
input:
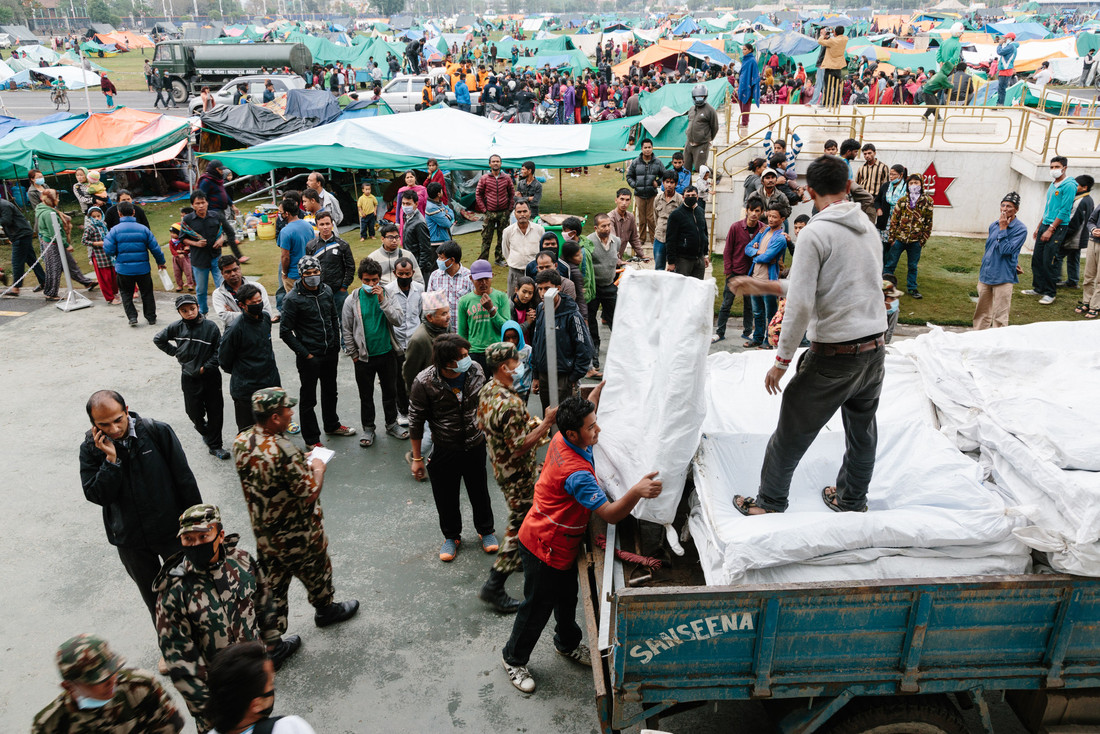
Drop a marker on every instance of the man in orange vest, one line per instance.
(566, 495)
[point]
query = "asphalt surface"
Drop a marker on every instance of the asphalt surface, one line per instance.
(422, 655)
(32, 104)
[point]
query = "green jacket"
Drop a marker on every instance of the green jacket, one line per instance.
(587, 270)
(44, 217)
(476, 326)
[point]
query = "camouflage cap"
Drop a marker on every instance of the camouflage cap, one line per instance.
(199, 518)
(87, 660)
(499, 353)
(270, 398)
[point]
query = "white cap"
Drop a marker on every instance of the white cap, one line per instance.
(957, 28)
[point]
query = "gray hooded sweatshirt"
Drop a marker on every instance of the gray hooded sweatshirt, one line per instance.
(834, 291)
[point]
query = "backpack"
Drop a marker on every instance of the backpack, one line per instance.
(265, 726)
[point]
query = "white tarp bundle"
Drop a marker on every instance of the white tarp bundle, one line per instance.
(651, 409)
(1026, 398)
(930, 514)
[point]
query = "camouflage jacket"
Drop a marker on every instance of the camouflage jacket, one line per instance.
(278, 483)
(504, 420)
(202, 612)
(140, 706)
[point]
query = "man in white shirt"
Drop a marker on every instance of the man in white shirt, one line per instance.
(316, 181)
(406, 291)
(520, 244)
(834, 296)
(224, 299)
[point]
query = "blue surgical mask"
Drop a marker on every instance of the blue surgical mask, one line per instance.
(519, 372)
(86, 704)
(463, 364)
(40, 181)
(441, 264)
(893, 307)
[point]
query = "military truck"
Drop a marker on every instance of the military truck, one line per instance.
(190, 65)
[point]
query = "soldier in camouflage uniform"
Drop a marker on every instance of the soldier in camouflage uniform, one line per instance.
(104, 697)
(209, 596)
(281, 487)
(513, 436)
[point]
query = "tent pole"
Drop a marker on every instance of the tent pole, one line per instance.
(87, 94)
(561, 203)
(273, 201)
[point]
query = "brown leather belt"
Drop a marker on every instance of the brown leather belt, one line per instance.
(831, 350)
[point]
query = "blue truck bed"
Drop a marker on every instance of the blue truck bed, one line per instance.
(825, 645)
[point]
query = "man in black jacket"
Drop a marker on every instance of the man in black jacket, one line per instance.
(19, 231)
(644, 175)
(135, 469)
(195, 346)
(574, 344)
(337, 262)
(311, 328)
(415, 235)
(245, 353)
(111, 217)
(687, 246)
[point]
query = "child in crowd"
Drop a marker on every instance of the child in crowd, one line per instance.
(95, 231)
(181, 259)
(521, 378)
(368, 209)
(95, 186)
(799, 222)
(890, 296)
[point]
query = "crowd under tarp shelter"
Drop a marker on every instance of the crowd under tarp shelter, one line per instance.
(407, 141)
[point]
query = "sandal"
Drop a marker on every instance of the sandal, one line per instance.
(368, 438)
(1092, 313)
(751, 344)
(1081, 307)
(744, 505)
(830, 501)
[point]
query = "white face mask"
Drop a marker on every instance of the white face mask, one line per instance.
(407, 209)
(1056, 173)
(915, 189)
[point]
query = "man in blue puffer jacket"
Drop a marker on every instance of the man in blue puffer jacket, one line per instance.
(130, 243)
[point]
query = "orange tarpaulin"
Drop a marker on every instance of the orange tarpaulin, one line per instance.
(660, 51)
(124, 126)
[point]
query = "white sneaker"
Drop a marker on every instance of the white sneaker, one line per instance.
(520, 676)
(1029, 292)
(402, 420)
(580, 655)
(1046, 300)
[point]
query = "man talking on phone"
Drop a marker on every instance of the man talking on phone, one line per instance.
(136, 470)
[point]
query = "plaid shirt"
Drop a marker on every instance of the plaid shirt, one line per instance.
(95, 230)
(455, 286)
(872, 176)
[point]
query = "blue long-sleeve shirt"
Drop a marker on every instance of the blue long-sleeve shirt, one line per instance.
(1002, 250)
(1060, 195)
(772, 254)
(439, 219)
(1006, 56)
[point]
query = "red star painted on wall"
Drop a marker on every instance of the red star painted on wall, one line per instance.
(936, 186)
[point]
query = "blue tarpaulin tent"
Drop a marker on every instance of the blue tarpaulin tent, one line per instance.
(685, 26)
(317, 103)
(789, 43)
(1023, 31)
(700, 50)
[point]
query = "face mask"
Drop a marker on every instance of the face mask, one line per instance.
(408, 210)
(1056, 173)
(691, 200)
(255, 309)
(404, 283)
(915, 189)
(40, 182)
(441, 264)
(312, 280)
(87, 704)
(463, 364)
(893, 307)
(200, 555)
(519, 372)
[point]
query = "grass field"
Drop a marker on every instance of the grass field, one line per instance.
(947, 278)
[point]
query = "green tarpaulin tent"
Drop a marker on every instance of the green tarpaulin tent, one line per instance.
(50, 155)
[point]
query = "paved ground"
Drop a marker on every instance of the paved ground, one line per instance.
(423, 654)
(32, 104)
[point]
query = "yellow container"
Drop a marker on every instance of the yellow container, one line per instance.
(265, 231)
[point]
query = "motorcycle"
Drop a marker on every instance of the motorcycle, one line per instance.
(500, 113)
(547, 112)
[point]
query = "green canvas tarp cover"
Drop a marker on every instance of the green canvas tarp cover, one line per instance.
(409, 140)
(50, 155)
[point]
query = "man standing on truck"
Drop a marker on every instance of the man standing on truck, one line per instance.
(566, 495)
(412, 53)
(834, 289)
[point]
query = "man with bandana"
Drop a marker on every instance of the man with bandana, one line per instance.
(282, 488)
(513, 436)
(193, 341)
(209, 596)
(103, 696)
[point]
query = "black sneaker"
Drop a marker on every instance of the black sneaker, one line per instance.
(337, 611)
(152, 320)
(220, 453)
(915, 294)
(133, 322)
(284, 648)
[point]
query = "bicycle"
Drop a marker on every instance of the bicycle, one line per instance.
(59, 96)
